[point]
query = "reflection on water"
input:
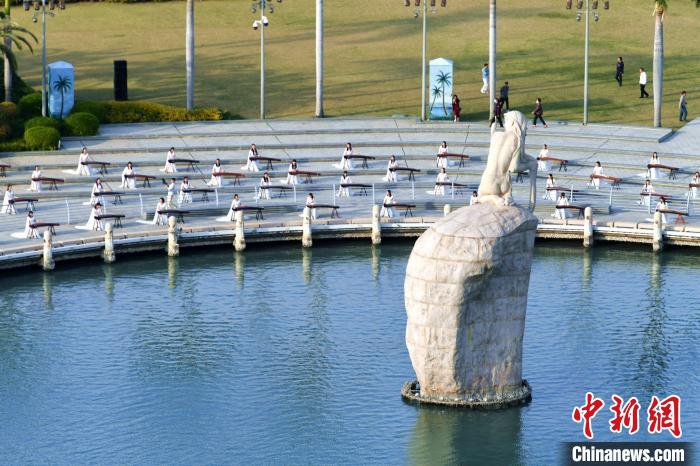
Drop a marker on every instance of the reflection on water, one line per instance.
(298, 356)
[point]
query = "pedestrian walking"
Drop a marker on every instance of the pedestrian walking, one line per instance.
(485, 78)
(683, 107)
(505, 89)
(537, 112)
(619, 71)
(456, 109)
(642, 84)
(497, 113)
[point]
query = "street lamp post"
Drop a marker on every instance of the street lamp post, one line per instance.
(261, 24)
(37, 7)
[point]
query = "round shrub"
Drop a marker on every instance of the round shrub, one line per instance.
(42, 138)
(8, 111)
(44, 122)
(30, 105)
(95, 108)
(82, 124)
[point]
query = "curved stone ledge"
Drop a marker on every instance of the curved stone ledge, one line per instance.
(410, 392)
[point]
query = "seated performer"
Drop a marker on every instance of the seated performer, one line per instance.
(84, 170)
(543, 165)
(8, 207)
(35, 185)
(94, 223)
(646, 189)
(474, 199)
(310, 204)
(387, 210)
(550, 194)
(345, 163)
(597, 170)
(695, 180)
(185, 195)
(29, 230)
(654, 173)
(97, 188)
(442, 161)
(345, 191)
(291, 175)
(391, 176)
(128, 183)
(265, 182)
(160, 219)
(170, 166)
(661, 205)
(172, 189)
(235, 204)
(441, 178)
(252, 165)
(562, 201)
(217, 181)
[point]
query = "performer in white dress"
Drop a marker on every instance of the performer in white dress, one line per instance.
(35, 185)
(561, 213)
(695, 180)
(94, 223)
(310, 201)
(252, 165)
(442, 161)
(291, 173)
(97, 188)
(8, 207)
(654, 173)
(235, 204)
(29, 230)
(265, 183)
(160, 219)
(128, 181)
(646, 189)
(84, 170)
(442, 177)
(391, 176)
(551, 194)
(474, 199)
(345, 191)
(216, 181)
(387, 210)
(543, 165)
(170, 166)
(172, 189)
(346, 163)
(661, 205)
(185, 195)
(597, 170)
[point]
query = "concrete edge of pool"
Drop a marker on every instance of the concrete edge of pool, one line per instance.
(410, 392)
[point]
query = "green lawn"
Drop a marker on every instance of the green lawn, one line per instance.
(372, 54)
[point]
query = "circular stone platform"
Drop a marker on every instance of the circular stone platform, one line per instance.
(411, 393)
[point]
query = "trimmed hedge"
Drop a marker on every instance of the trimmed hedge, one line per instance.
(82, 124)
(142, 112)
(44, 122)
(16, 145)
(30, 105)
(42, 138)
(95, 108)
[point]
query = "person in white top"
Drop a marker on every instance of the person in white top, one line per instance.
(442, 177)
(160, 219)
(97, 188)
(391, 176)
(127, 177)
(8, 206)
(345, 191)
(345, 162)
(474, 199)
(654, 173)
(543, 165)
(185, 195)
(170, 167)
(642, 83)
(387, 210)
(291, 173)
(646, 189)
(35, 185)
(442, 161)
(83, 169)
(95, 223)
(215, 180)
(29, 230)
(661, 205)
(562, 201)
(172, 189)
(235, 204)
(695, 180)
(310, 201)
(264, 189)
(252, 164)
(597, 171)
(550, 194)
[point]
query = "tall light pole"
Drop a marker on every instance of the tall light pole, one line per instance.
(319, 58)
(583, 9)
(37, 7)
(261, 24)
(492, 56)
(189, 54)
(416, 14)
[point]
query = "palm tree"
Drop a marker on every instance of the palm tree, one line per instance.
(189, 53)
(8, 69)
(436, 92)
(660, 7)
(63, 84)
(444, 79)
(12, 33)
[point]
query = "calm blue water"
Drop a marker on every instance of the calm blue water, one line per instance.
(289, 356)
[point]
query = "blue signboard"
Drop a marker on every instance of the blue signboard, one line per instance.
(61, 89)
(440, 93)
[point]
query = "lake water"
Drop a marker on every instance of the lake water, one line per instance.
(281, 355)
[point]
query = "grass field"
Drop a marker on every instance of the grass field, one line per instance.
(372, 52)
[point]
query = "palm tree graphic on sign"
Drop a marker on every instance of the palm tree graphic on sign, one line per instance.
(436, 92)
(63, 84)
(444, 80)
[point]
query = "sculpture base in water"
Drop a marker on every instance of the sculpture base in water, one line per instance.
(516, 397)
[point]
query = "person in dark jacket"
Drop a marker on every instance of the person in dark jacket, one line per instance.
(497, 113)
(619, 71)
(505, 89)
(537, 112)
